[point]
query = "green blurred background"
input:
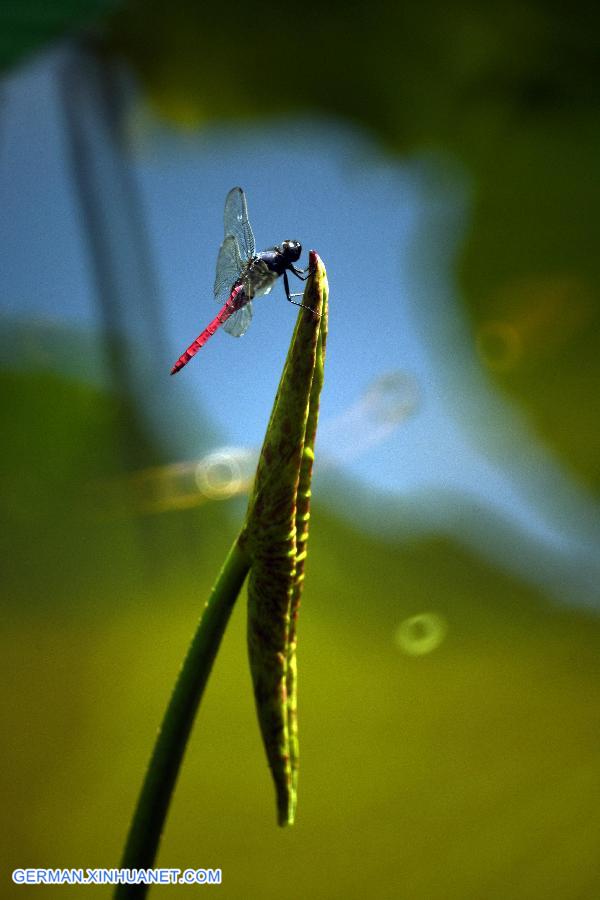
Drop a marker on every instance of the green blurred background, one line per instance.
(448, 703)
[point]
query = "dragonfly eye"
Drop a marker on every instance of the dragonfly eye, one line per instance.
(292, 250)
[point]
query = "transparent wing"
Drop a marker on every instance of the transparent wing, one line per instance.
(239, 323)
(229, 268)
(237, 224)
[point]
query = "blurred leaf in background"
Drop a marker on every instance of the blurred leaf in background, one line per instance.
(28, 26)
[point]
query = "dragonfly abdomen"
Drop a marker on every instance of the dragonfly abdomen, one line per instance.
(236, 300)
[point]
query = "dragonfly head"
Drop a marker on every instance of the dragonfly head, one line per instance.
(291, 251)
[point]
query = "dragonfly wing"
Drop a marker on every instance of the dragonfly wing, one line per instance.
(237, 224)
(229, 268)
(239, 322)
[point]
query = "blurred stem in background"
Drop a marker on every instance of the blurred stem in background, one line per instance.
(95, 92)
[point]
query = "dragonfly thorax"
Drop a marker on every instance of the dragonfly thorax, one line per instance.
(278, 259)
(260, 276)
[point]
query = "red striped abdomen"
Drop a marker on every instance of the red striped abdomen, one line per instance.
(233, 304)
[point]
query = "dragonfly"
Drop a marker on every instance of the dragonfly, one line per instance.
(243, 274)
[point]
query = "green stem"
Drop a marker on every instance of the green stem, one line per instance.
(153, 803)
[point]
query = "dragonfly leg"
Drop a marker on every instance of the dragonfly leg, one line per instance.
(290, 296)
(302, 274)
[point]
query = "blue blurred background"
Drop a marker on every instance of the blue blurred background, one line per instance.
(449, 632)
